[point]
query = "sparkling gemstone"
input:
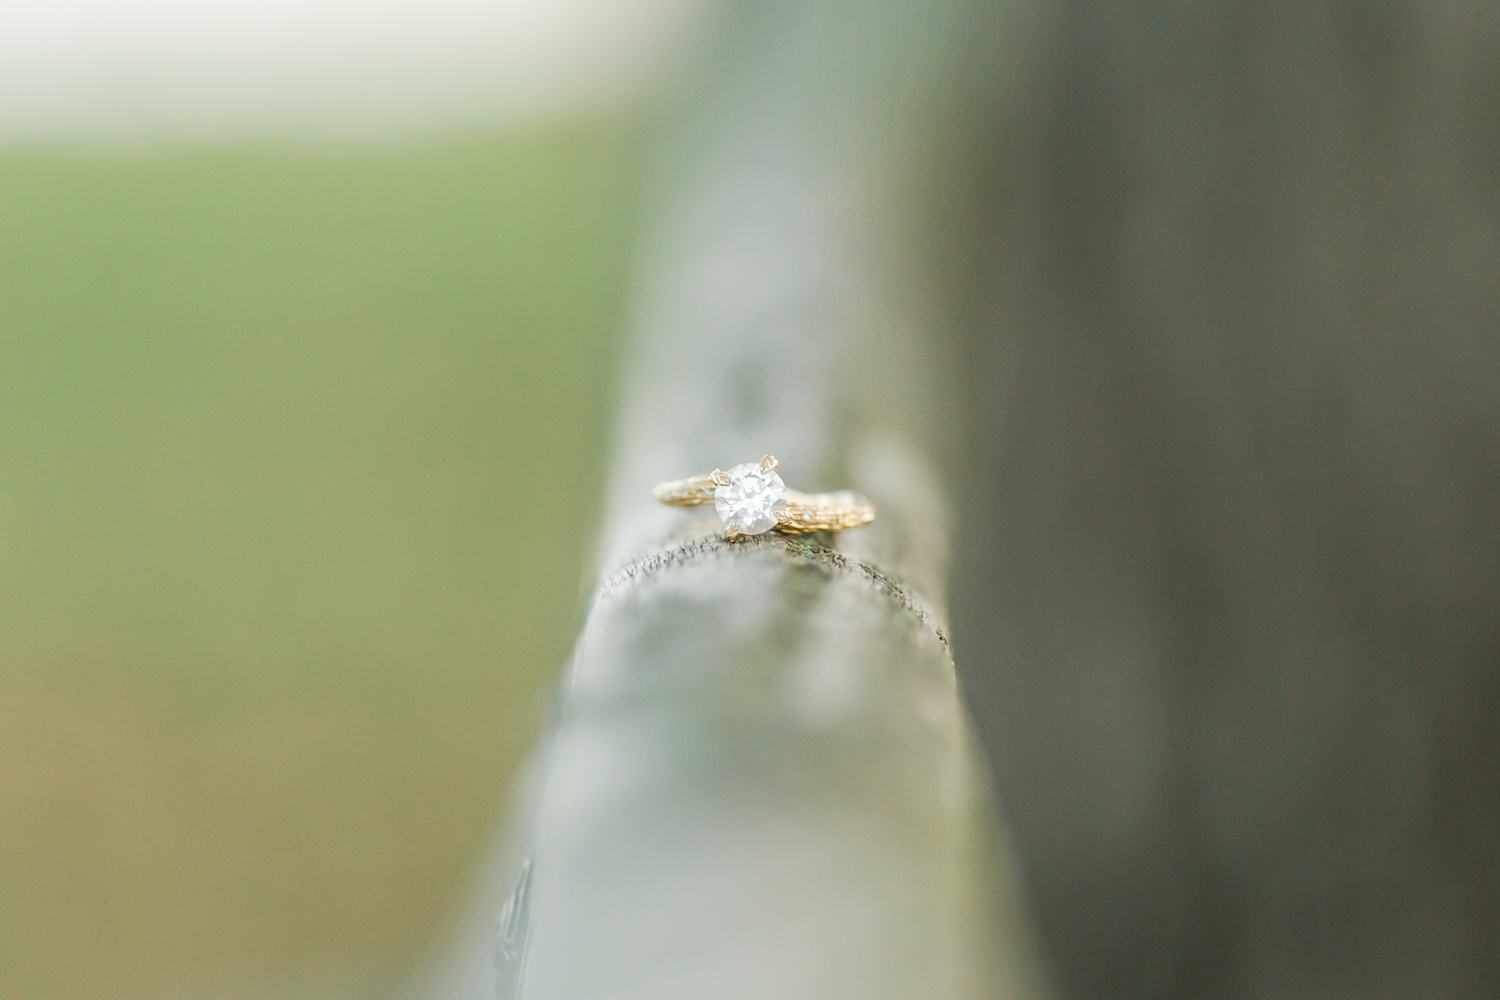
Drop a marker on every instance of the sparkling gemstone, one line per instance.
(751, 500)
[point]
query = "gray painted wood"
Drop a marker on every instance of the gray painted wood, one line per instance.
(760, 780)
(761, 784)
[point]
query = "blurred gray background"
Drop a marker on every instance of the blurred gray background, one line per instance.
(1228, 596)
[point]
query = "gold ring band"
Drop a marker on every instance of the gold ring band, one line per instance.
(752, 499)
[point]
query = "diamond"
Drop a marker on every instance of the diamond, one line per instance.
(748, 504)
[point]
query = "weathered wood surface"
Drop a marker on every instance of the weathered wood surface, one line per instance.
(760, 785)
(760, 781)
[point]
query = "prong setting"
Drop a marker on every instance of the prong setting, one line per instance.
(719, 477)
(768, 463)
(748, 502)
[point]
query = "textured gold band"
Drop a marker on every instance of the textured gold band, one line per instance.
(805, 512)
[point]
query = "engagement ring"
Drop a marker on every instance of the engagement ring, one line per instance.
(751, 499)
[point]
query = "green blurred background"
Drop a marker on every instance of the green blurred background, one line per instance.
(299, 455)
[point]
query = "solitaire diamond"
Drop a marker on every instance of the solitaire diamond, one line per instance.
(751, 499)
(748, 504)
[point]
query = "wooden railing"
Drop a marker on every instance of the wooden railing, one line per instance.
(760, 781)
